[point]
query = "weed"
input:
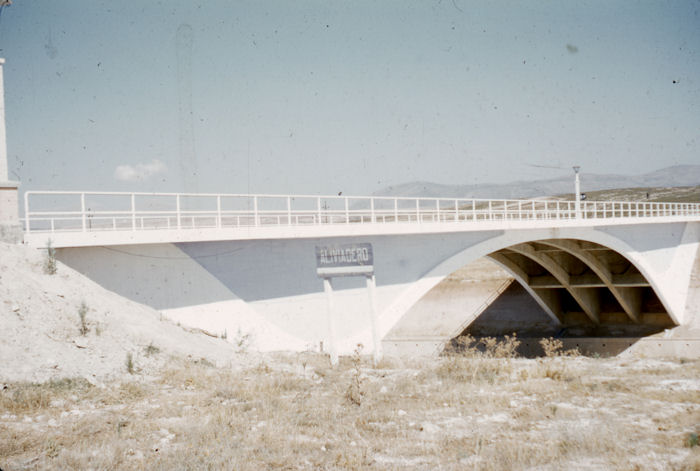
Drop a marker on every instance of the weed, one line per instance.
(129, 363)
(224, 335)
(551, 347)
(488, 347)
(151, 350)
(485, 359)
(506, 348)
(555, 348)
(82, 312)
(241, 341)
(24, 397)
(354, 392)
(464, 345)
(203, 362)
(52, 449)
(50, 266)
(692, 440)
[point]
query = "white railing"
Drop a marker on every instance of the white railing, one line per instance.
(58, 211)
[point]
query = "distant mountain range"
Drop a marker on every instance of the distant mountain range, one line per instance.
(678, 175)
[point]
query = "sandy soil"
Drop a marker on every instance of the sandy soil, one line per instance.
(41, 326)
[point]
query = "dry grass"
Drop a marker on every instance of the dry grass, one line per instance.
(475, 410)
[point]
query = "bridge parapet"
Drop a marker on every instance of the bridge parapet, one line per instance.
(62, 215)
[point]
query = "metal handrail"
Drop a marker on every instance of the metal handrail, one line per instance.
(345, 210)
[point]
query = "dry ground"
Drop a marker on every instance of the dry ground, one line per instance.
(294, 412)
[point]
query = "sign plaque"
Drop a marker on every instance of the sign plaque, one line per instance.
(344, 260)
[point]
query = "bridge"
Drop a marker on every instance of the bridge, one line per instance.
(244, 265)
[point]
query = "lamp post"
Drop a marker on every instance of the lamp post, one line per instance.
(577, 186)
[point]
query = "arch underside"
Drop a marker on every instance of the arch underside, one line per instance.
(584, 286)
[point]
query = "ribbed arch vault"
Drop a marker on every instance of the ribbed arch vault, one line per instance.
(583, 284)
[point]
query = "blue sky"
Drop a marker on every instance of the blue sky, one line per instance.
(326, 96)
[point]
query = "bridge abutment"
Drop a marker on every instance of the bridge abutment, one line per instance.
(10, 229)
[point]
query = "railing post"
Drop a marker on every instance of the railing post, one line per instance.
(347, 211)
(318, 209)
(289, 210)
(177, 211)
(473, 210)
(396, 210)
(520, 210)
(418, 210)
(218, 211)
(437, 207)
(256, 219)
(505, 210)
(26, 211)
(82, 211)
(371, 210)
(456, 211)
(490, 212)
(133, 212)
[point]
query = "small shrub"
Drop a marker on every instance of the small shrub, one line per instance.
(53, 449)
(488, 347)
(50, 267)
(242, 341)
(82, 312)
(151, 350)
(464, 345)
(506, 348)
(555, 348)
(129, 363)
(204, 362)
(354, 392)
(552, 347)
(692, 440)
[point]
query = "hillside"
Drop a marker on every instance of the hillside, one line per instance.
(681, 194)
(676, 176)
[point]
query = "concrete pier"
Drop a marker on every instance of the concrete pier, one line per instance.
(10, 229)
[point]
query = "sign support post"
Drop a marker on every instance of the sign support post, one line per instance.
(377, 350)
(328, 288)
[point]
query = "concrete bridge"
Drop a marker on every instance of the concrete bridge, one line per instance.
(245, 265)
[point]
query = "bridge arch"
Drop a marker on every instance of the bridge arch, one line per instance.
(655, 272)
